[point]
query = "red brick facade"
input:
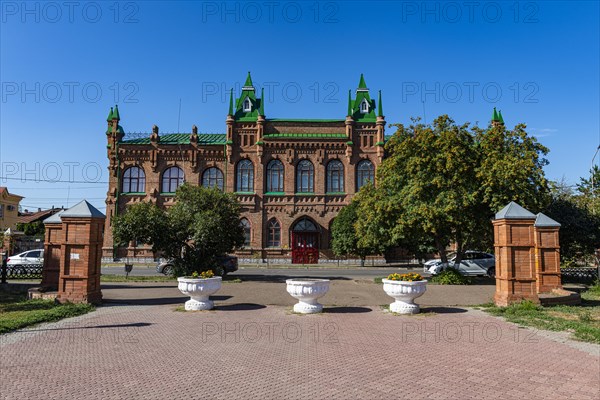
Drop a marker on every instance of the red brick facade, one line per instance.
(253, 137)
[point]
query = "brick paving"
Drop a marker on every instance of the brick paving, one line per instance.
(253, 351)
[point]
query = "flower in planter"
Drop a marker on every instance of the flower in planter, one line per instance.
(410, 277)
(203, 274)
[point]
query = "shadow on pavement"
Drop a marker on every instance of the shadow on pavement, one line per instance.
(346, 310)
(132, 325)
(129, 286)
(158, 301)
(240, 307)
(282, 278)
(442, 310)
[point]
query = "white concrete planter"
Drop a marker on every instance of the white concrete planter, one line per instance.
(405, 293)
(199, 290)
(307, 291)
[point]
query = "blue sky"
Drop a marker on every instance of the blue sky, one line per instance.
(62, 68)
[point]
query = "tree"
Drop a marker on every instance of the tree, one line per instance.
(203, 224)
(32, 228)
(344, 236)
(444, 182)
(588, 195)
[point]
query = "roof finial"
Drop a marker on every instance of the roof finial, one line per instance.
(380, 106)
(116, 113)
(248, 80)
(230, 102)
(361, 83)
(261, 110)
(500, 119)
(495, 116)
(110, 115)
(349, 102)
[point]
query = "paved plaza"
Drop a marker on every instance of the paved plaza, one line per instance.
(245, 349)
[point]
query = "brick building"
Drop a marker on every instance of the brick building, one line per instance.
(291, 176)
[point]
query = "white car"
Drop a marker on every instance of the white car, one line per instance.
(26, 258)
(473, 263)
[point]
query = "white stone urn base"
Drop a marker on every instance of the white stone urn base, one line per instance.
(404, 293)
(199, 291)
(307, 291)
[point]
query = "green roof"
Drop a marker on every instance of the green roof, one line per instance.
(500, 117)
(183, 138)
(110, 115)
(306, 136)
(116, 112)
(248, 80)
(362, 93)
(303, 120)
(495, 115)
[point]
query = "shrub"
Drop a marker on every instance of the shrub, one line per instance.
(451, 276)
(410, 277)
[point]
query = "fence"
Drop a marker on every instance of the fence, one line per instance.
(579, 275)
(24, 271)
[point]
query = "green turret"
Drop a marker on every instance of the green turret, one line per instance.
(380, 111)
(110, 115)
(495, 117)
(116, 113)
(230, 102)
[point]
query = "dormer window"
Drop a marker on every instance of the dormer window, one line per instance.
(364, 107)
(247, 105)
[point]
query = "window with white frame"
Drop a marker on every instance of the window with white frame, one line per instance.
(247, 105)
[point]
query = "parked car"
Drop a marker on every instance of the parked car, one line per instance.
(473, 263)
(228, 264)
(27, 257)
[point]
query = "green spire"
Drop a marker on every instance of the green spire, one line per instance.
(116, 113)
(230, 102)
(349, 102)
(380, 106)
(110, 115)
(248, 80)
(261, 110)
(500, 117)
(495, 116)
(362, 84)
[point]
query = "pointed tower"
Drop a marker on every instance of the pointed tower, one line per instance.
(495, 118)
(501, 120)
(380, 127)
(247, 105)
(363, 107)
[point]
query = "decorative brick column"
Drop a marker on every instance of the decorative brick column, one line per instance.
(515, 255)
(547, 254)
(80, 254)
(52, 252)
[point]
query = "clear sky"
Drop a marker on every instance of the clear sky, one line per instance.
(63, 65)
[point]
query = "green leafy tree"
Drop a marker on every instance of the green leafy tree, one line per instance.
(32, 228)
(589, 195)
(203, 224)
(443, 182)
(345, 240)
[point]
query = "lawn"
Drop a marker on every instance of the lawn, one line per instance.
(17, 312)
(583, 321)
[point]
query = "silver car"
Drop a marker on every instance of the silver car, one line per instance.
(473, 263)
(27, 257)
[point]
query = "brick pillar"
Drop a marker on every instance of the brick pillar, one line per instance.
(515, 255)
(52, 252)
(547, 254)
(81, 251)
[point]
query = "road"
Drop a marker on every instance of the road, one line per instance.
(349, 273)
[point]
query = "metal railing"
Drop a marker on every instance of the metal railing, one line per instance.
(579, 275)
(21, 271)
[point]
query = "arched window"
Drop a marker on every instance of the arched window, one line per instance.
(213, 177)
(275, 176)
(305, 177)
(335, 177)
(245, 176)
(305, 225)
(364, 106)
(134, 180)
(172, 179)
(273, 234)
(245, 224)
(365, 172)
(247, 105)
